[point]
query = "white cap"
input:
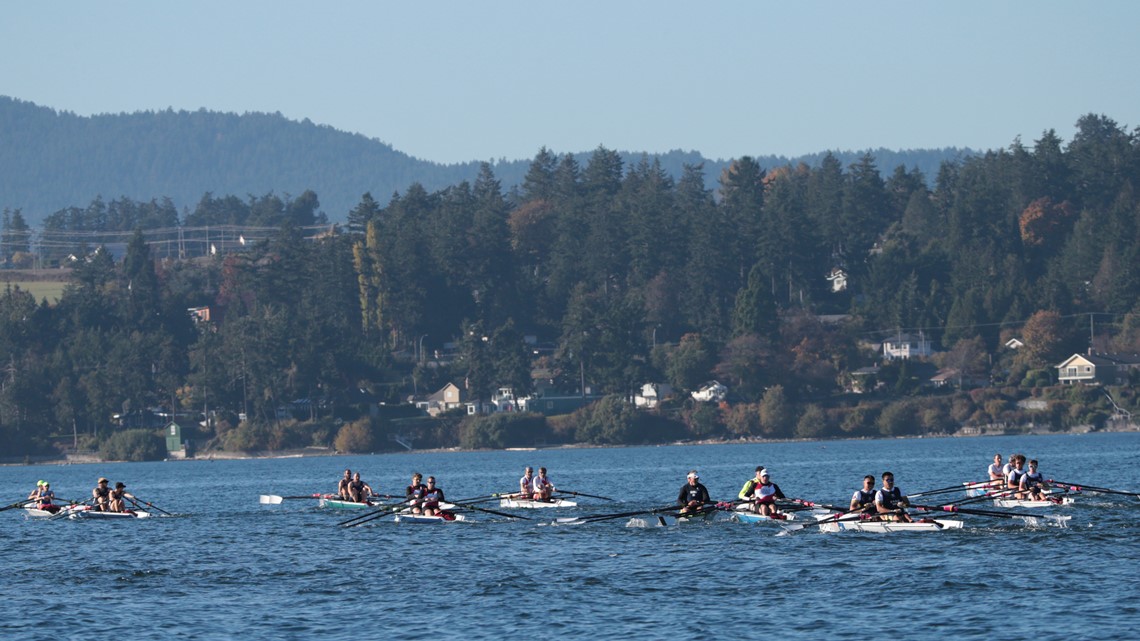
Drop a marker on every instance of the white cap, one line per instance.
(694, 475)
(764, 472)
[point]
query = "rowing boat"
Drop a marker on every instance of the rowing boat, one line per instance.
(424, 518)
(531, 503)
(752, 517)
(677, 518)
(90, 514)
(862, 525)
(341, 504)
(1064, 500)
(34, 510)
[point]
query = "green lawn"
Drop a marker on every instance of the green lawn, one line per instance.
(50, 290)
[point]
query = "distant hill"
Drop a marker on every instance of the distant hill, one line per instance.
(52, 159)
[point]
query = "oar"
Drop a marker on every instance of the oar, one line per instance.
(813, 504)
(381, 510)
(942, 490)
(1092, 488)
(273, 499)
(136, 501)
(63, 512)
(592, 496)
(468, 506)
(995, 513)
(16, 505)
(606, 517)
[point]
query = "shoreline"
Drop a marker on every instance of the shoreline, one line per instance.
(314, 452)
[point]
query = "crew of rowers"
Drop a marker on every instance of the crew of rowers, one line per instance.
(760, 494)
(424, 498)
(1017, 478)
(44, 497)
(351, 488)
(535, 488)
(103, 497)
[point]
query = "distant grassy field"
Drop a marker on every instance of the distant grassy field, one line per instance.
(41, 289)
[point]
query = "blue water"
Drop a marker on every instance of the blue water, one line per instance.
(227, 567)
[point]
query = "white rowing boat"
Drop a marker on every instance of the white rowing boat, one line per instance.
(423, 518)
(90, 514)
(1023, 503)
(867, 525)
(34, 510)
(533, 504)
(752, 517)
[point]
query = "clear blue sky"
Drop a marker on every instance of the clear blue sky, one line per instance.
(454, 81)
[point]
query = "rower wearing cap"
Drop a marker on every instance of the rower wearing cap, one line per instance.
(526, 484)
(117, 496)
(1033, 484)
(433, 496)
(864, 500)
(101, 496)
(694, 495)
(890, 502)
(748, 492)
(543, 488)
(34, 495)
(766, 494)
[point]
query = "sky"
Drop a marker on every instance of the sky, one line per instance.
(450, 81)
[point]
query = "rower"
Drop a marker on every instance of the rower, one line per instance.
(543, 488)
(117, 498)
(34, 495)
(526, 484)
(864, 500)
(342, 486)
(358, 490)
(414, 493)
(1013, 479)
(101, 496)
(432, 498)
(994, 472)
(766, 494)
(694, 495)
(890, 503)
(1033, 483)
(748, 492)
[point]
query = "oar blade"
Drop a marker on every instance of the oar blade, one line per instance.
(270, 499)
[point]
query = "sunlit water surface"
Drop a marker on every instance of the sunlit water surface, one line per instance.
(227, 567)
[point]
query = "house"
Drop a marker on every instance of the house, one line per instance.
(652, 394)
(952, 377)
(838, 279)
(449, 397)
(503, 400)
(863, 380)
(1098, 369)
(907, 346)
(711, 392)
(1014, 344)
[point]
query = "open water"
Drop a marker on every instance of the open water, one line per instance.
(226, 567)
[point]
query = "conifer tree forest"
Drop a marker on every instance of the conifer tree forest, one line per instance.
(597, 277)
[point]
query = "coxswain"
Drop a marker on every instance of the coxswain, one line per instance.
(1016, 473)
(101, 496)
(414, 493)
(694, 495)
(543, 488)
(890, 503)
(526, 484)
(358, 490)
(1032, 484)
(342, 486)
(748, 492)
(118, 496)
(863, 500)
(767, 493)
(433, 496)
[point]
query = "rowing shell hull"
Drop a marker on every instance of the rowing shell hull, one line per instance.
(95, 515)
(752, 517)
(531, 504)
(36, 512)
(882, 527)
(1022, 503)
(340, 504)
(421, 518)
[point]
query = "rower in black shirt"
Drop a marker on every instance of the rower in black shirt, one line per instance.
(694, 495)
(414, 493)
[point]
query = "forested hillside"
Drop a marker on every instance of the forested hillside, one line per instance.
(629, 276)
(51, 160)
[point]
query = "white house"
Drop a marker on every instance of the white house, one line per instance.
(711, 392)
(907, 346)
(838, 279)
(652, 394)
